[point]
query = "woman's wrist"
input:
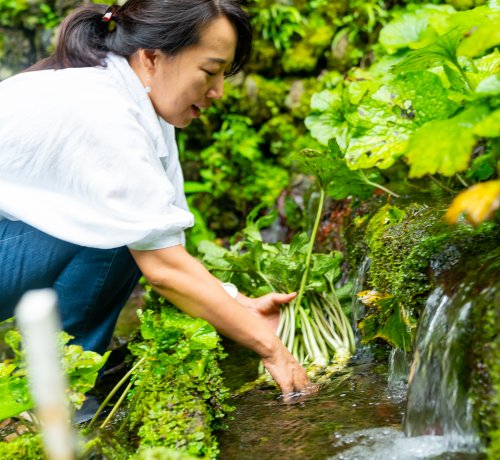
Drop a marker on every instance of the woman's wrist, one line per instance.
(244, 300)
(270, 347)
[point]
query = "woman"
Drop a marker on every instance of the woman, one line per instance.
(91, 191)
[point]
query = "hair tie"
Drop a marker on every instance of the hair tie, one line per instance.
(110, 13)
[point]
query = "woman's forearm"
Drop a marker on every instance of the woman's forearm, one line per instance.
(181, 279)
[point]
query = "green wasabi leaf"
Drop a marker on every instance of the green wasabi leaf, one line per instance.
(298, 244)
(442, 51)
(320, 164)
(445, 146)
(490, 86)
(386, 119)
(213, 255)
(14, 396)
(254, 223)
(82, 368)
(456, 80)
(326, 119)
(415, 29)
(489, 126)
(488, 64)
(350, 182)
(406, 31)
(483, 32)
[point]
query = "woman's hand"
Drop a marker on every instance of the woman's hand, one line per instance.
(288, 374)
(267, 307)
(283, 367)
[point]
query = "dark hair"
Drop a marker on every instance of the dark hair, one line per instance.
(167, 25)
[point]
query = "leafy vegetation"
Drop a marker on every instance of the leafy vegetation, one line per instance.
(403, 244)
(178, 396)
(295, 43)
(314, 326)
(427, 105)
(175, 396)
(81, 366)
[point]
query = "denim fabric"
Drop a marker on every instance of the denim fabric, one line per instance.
(92, 285)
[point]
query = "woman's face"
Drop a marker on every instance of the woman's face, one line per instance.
(184, 84)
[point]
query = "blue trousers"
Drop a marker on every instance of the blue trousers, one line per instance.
(92, 285)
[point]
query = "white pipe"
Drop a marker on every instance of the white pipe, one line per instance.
(38, 321)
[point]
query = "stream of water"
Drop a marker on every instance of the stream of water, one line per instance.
(379, 411)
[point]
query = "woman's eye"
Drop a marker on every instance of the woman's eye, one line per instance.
(209, 73)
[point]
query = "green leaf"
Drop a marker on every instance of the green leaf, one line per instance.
(390, 323)
(456, 80)
(254, 223)
(489, 64)
(351, 183)
(196, 187)
(386, 119)
(204, 338)
(490, 86)
(403, 32)
(483, 32)
(489, 126)
(414, 29)
(14, 397)
(321, 164)
(484, 166)
(326, 119)
(440, 52)
(213, 255)
(298, 244)
(444, 146)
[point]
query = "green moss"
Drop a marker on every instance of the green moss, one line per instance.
(485, 355)
(408, 247)
(300, 58)
(178, 397)
(27, 446)
(494, 433)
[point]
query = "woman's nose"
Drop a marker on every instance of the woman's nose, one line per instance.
(216, 90)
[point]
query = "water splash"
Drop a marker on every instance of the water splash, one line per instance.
(391, 444)
(439, 396)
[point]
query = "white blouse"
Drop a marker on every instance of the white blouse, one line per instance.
(85, 158)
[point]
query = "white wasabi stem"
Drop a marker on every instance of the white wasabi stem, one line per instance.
(317, 356)
(330, 336)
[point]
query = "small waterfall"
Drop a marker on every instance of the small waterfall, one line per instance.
(397, 376)
(439, 395)
(358, 309)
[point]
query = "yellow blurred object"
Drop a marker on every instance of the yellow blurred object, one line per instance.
(372, 298)
(477, 203)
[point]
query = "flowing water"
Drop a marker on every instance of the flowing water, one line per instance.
(376, 411)
(440, 400)
(265, 428)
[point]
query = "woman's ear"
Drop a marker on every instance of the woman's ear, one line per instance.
(144, 62)
(149, 59)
